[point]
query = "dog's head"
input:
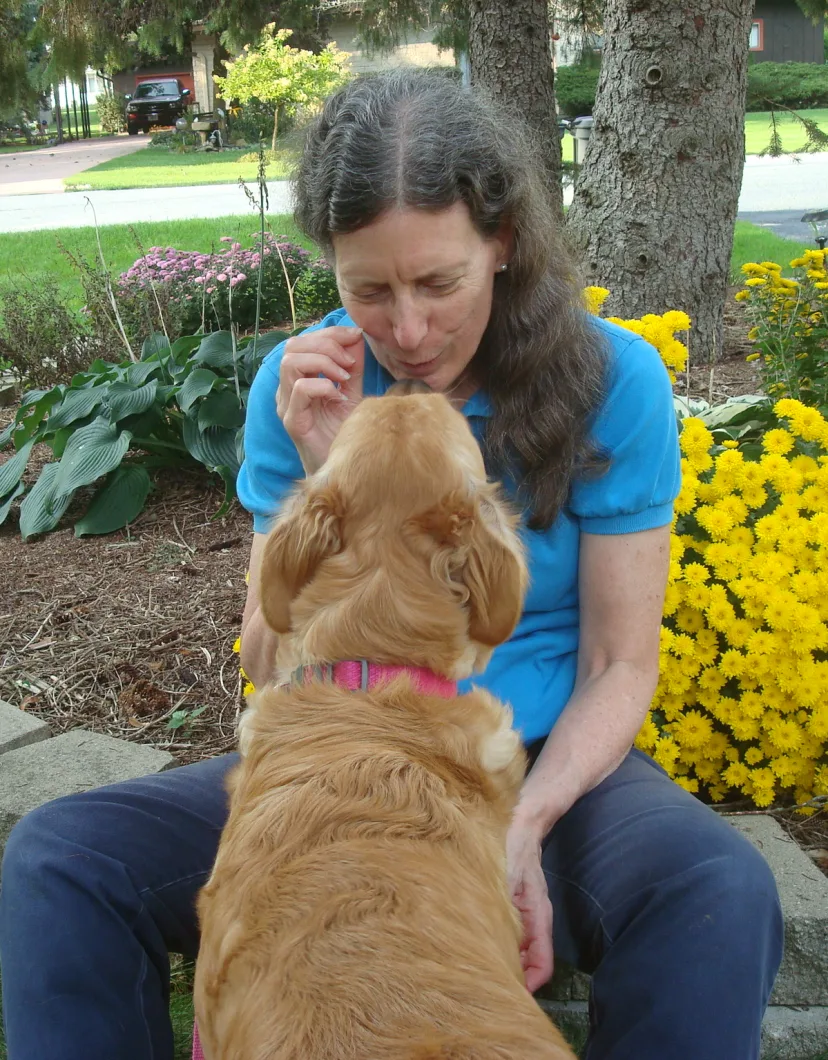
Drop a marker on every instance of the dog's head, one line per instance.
(398, 530)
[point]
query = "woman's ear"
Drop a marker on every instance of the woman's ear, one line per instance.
(307, 533)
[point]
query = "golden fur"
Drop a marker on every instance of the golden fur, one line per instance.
(358, 908)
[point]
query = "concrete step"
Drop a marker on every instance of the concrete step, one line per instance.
(17, 728)
(796, 1024)
(67, 764)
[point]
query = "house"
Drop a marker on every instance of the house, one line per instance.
(343, 29)
(781, 33)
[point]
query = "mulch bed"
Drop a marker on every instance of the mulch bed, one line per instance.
(122, 634)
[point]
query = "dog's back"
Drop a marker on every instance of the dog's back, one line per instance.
(376, 923)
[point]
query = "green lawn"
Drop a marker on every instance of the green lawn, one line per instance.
(159, 167)
(752, 243)
(758, 129)
(42, 256)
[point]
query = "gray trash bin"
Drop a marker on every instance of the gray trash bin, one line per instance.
(581, 130)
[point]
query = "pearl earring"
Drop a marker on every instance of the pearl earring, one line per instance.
(503, 267)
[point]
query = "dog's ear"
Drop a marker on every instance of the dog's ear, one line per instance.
(308, 532)
(482, 551)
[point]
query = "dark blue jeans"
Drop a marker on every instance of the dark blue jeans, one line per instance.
(675, 914)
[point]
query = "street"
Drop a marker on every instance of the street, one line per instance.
(775, 193)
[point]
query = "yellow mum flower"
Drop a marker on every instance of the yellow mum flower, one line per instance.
(756, 281)
(676, 320)
(594, 298)
(777, 441)
(692, 730)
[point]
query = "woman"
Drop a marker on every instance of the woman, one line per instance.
(430, 204)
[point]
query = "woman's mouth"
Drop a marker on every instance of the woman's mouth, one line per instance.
(421, 369)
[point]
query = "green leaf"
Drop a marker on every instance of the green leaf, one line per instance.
(12, 470)
(58, 441)
(139, 372)
(97, 372)
(30, 415)
(240, 446)
(5, 507)
(198, 383)
(155, 344)
(229, 478)
(91, 452)
(216, 350)
(184, 346)
(5, 435)
(220, 409)
(42, 506)
(117, 502)
(125, 400)
(76, 405)
(215, 447)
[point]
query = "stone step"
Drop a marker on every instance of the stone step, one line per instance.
(64, 765)
(796, 1024)
(17, 728)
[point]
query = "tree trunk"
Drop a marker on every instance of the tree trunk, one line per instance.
(655, 204)
(275, 129)
(510, 54)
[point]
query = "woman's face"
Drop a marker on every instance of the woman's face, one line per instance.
(419, 284)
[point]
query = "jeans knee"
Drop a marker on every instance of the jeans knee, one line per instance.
(35, 842)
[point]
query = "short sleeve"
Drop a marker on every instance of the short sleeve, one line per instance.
(271, 464)
(636, 428)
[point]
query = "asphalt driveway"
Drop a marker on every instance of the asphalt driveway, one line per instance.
(43, 171)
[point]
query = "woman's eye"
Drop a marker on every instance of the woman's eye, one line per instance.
(442, 288)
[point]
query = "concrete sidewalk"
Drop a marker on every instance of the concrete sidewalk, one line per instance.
(42, 172)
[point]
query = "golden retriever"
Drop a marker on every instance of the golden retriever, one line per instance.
(358, 908)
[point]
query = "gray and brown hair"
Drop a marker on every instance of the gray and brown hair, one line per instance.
(420, 139)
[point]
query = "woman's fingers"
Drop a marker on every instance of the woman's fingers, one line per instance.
(297, 365)
(302, 398)
(337, 343)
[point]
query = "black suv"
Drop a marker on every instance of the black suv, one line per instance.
(156, 103)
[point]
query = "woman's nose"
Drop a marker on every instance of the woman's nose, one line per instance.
(410, 328)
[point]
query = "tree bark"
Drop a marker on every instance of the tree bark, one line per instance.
(655, 203)
(510, 54)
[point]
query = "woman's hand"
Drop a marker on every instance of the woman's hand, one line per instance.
(320, 384)
(527, 886)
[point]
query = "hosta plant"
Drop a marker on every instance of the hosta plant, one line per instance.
(180, 405)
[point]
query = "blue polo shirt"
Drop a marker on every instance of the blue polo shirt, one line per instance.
(636, 425)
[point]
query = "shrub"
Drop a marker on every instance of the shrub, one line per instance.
(794, 85)
(575, 88)
(202, 291)
(253, 122)
(790, 326)
(316, 293)
(175, 140)
(179, 405)
(741, 704)
(111, 112)
(41, 340)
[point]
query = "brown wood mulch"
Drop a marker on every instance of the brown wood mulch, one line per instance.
(131, 633)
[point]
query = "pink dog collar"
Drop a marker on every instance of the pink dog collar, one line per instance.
(359, 675)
